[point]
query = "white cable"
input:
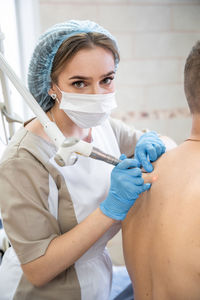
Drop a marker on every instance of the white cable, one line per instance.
(51, 129)
(4, 129)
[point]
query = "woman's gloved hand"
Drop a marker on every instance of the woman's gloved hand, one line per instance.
(126, 185)
(149, 148)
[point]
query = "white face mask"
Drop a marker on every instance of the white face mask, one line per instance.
(87, 110)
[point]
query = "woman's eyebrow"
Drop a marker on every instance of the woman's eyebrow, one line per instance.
(79, 77)
(108, 74)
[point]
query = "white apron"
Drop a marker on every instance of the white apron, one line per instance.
(88, 182)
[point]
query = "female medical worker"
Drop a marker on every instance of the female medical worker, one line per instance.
(59, 219)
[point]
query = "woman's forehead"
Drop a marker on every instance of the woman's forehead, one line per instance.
(88, 62)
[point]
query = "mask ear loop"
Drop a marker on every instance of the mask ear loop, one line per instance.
(54, 96)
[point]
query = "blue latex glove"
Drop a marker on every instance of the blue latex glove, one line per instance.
(149, 148)
(126, 185)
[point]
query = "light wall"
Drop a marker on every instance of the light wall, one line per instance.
(155, 38)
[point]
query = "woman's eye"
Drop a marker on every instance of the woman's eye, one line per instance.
(107, 80)
(79, 84)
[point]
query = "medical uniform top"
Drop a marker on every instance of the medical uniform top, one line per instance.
(40, 200)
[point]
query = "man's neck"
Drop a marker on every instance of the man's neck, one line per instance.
(195, 132)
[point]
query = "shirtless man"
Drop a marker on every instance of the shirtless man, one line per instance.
(161, 234)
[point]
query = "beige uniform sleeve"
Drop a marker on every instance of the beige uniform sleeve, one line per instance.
(127, 137)
(24, 189)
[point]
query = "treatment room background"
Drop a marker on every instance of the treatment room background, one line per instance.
(154, 36)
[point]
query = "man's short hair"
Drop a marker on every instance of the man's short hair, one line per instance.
(192, 79)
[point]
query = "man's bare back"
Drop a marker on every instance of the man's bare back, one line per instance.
(161, 234)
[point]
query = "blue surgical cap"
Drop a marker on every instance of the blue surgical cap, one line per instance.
(39, 73)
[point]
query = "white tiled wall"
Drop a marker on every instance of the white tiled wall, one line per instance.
(155, 37)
